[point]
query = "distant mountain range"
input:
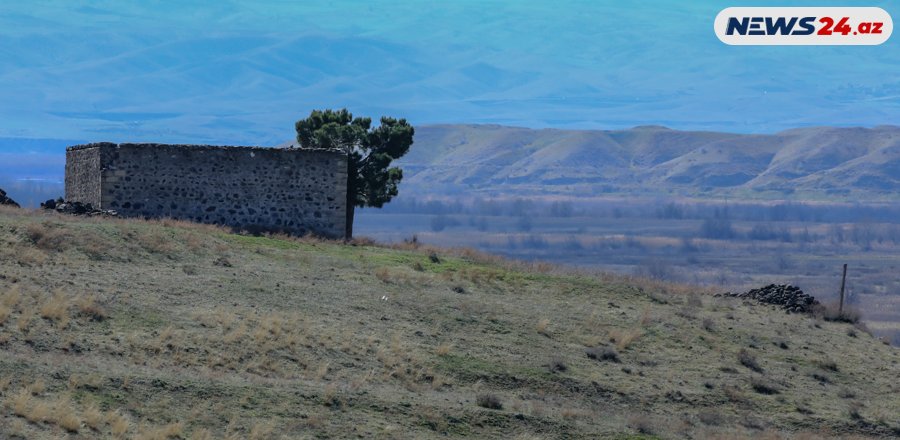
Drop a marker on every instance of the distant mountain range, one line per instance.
(817, 163)
(806, 163)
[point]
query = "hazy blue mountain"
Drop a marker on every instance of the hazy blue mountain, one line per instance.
(238, 73)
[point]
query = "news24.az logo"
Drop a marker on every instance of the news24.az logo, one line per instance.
(804, 26)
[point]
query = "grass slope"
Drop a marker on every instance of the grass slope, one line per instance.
(134, 329)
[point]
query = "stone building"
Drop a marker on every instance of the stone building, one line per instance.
(296, 191)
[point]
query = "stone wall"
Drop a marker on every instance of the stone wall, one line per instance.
(248, 188)
(83, 175)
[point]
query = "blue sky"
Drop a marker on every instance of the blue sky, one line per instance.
(242, 72)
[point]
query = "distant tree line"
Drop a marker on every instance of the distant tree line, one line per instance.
(567, 208)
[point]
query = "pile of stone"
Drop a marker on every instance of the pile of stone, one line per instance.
(790, 298)
(5, 200)
(76, 208)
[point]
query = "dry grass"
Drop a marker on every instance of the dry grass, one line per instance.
(37, 387)
(262, 430)
(118, 423)
(443, 349)
(5, 312)
(542, 326)
(293, 340)
(148, 432)
(734, 394)
(24, 321)
(156, 243)
(202, 434)
(88, 305)
(64, 416)
(38, 411)
(624, 338)
(831, 311)
(20, 403)
(56, 308)
(11, 297)
(47, 236)
(644, 424)
(94, 418)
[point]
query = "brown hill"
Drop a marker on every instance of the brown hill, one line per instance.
(817, 162)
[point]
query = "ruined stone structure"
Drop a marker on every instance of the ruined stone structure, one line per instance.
(295, 191)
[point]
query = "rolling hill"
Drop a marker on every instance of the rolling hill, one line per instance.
(823, 162)
(158, 329)
(859, 164)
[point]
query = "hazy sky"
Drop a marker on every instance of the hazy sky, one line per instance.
(242, 72)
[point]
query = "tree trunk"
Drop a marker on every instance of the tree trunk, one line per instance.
(348, 232)
(351, 198)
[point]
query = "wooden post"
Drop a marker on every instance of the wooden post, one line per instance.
(843, 283)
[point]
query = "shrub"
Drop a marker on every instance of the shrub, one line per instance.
(490, 401)
(87, 306)
(832, 312)
(603, 354)
(828, 364)
(763, 386)
(694, 301)
(734, 394)
(643, 424)
(711, 417)
(718, 229)
(558, 364)
(748, 360)
(820, 377)
(854, 410)
(846, 393)
(223, 261)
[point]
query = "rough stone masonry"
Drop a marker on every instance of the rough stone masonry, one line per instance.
(296, 191)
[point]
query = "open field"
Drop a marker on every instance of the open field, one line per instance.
(727, 246)
(134, 329)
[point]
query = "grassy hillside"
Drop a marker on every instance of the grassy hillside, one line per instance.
(133, 329)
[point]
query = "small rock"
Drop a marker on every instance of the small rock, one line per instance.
(5, 200)
(76, 208)
(790, 298)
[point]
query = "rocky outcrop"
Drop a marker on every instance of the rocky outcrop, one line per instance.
(5, 200)
(790, 298)
(76, 208)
